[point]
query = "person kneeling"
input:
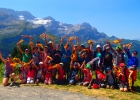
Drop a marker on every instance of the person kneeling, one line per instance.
(123, 83)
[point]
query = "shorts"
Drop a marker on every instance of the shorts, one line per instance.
(134, 75)
(30, 80)
(123, 85)
(66, 67)
(6, 75)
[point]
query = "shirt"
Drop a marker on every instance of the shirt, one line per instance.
(108, 60)
(8, 68)
(26, 58)
(73, 73)
(31, 73)
(57, 56)
(67, 53)
(87, 75)
(61, 74)
(36, 56)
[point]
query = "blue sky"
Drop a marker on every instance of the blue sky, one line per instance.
(120, 18)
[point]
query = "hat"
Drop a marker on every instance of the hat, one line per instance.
(10, 55)
(50, 42)
(122, 65)
(88, 66)
(98, 46)
(26, 49)
(75, 64)
(45, 46)
(40, 63)
(107, 48)
(118, 47)
(19, 65)
(135, 52)
(61, 64)
(82, 45)
(95, 86)
(108, 68)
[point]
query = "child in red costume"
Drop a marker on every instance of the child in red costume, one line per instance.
(121, 74)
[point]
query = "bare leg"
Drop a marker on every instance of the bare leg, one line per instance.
(5, 81)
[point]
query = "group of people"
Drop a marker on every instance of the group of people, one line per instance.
(73, 64)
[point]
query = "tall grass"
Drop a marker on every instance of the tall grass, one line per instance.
(1, 71)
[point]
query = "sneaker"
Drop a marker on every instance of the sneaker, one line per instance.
(107, 86)
(89, 87)
(12, 84)
(112, 87)
(81, 84)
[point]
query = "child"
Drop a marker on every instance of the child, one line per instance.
(123, 83)
(31, 74)
(8, 72)
(73, 78)
(110, 79)
(132, 68)
(61, 74)
(48, 75)
(87, 75)
(40, 77)
(22, 74)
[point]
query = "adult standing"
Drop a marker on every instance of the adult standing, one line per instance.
(26, 57)
(66, 56)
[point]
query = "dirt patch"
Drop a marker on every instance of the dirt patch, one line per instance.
(40, 93)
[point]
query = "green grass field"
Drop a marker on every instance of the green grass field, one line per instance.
(107, 93)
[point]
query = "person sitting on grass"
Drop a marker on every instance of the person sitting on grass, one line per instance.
(122, 76)
(48, 75)
(22, 74)
(8, 72)
(73, 78)
(61, 74)
(31, 73)
(87, 74)
(39, 76)
(110, 78)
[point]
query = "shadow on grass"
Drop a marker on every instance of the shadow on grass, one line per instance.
(137, 89)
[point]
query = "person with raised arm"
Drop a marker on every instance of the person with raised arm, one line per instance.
(26, 57)
(118, 56)
(50, 44)
(132, 68)
(56, 59)
(66, 57)
(8, 72)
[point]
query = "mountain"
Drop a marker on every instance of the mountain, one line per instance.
(27, 15)
(11, 30)
(138, 39)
